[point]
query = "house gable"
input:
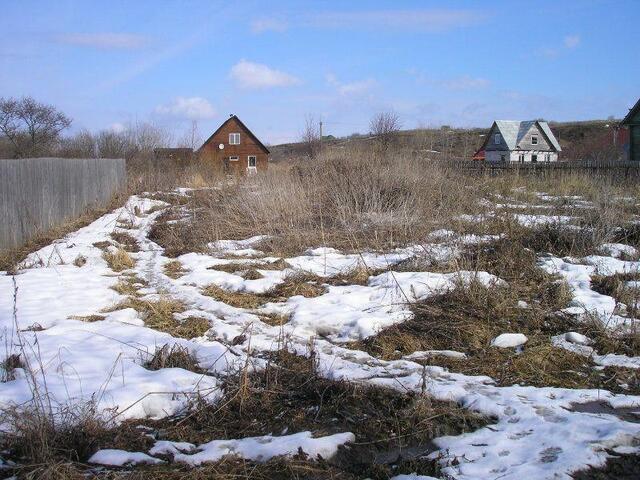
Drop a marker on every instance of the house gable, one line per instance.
(633, 117)
(220, 136)
(527, 132)
(489, 142)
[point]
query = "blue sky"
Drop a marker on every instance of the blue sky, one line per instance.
(272, 63)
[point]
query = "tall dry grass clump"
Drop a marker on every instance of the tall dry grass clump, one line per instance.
(352, 199)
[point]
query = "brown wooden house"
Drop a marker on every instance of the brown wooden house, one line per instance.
(235, 149)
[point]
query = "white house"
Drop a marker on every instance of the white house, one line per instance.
(524, 142)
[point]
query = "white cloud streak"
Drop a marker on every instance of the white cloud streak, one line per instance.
(571, 41)
(352, 88)
(435, 20)
(105, 40)
(192, 108)
(249, 75)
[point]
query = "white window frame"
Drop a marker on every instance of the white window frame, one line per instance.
(521, 158)
(234, 158)
(534, 140)
(234, 139)
(255, 161)
(497, 139)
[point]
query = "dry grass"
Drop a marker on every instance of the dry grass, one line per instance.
(235, 299)
(174, 269)
(467, 318)
(290, 396)
(160, 315)
(126, 241)
(539, 364)
(8, 367)
(128, 285)
(273, 319)
(297, 283)
(119, 260)
(71, 434)
(88, 318)
(233, 267)
(173, 356)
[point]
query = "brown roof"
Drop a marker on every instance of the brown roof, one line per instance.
(632, 111)
(232, 117)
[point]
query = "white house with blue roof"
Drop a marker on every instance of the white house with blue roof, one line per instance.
(512, 141)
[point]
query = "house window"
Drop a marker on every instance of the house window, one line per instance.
(534, 139)
(503, 158)
(234, 139)
(233, 159)
(521, 158)
(252, 161)
(496, 139)
(546, 157)
(534, 158)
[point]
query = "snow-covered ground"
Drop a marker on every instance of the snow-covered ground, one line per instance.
(43, 310)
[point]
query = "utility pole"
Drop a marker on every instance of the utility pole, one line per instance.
(320, 135)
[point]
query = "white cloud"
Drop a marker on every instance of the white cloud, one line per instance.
(465, 83)
(571, 41)
(429, 20)
(256, 75)
(352, 88)
(193, 108)
(261, 25)
(105, 40)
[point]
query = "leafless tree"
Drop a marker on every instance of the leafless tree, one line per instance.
(80, 145)
(384, 126)
(191, 138)
(146, 137)
(112, 144)
(31, 127)
(310, 136)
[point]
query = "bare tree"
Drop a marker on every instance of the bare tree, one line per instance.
(310, 136)
(191, 138)
(384, 126)
(112, 144)
(80, 145)
(31, 127)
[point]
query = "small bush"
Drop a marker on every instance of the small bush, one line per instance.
(119, 260)
(173, 356)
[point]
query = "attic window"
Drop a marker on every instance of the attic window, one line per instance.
(496, 139)
(234, 139)
(534, 139)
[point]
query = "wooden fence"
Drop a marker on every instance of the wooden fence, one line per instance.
(613, 169)
(39, 193)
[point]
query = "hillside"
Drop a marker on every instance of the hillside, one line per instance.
(578, 140)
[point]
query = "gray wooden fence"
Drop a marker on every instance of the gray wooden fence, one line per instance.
(39, 193)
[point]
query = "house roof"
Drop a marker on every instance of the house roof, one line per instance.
(234, 117)
(513, 131)
(632, 112)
